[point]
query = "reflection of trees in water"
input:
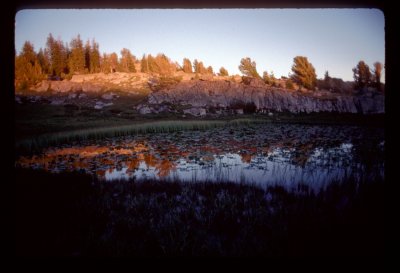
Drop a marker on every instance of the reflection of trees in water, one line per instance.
(133, 164)
(150, 160)
(165, 167)
(301, 153)
(163, 158)
(246, 158)
(294, 143)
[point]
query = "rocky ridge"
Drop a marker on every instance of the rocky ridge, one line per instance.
(224, 94)
(220, 93)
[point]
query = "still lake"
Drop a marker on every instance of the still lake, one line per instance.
(263, 154)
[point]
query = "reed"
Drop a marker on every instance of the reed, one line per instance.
(35, 144)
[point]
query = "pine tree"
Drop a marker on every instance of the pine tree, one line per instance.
(362, 75)
(289, 84)
(144, 64)
(94, 57)
(160, 64)
(272, 79)
(266, 78)
(113, 58)
(195, 66)
(223, 71)
(210, 70)
(202, 69)
(151, 64)
(105, 65)
(127, 62)
(27, 67)
(58, 56)
(377, 75)
(304, 73)
(77, 59)
(248, 68)
(199, 67)
(28, 53)
(327, 81)
(44, 61)
(87, 56)
(187, 66)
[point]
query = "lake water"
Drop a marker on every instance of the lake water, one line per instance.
(264, 154)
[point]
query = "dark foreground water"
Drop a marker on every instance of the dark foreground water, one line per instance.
(264, 154)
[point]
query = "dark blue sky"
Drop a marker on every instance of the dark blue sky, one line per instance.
(332, 39)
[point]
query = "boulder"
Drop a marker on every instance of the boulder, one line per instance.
(43, 86)
(195, 111)
(59, 101)
(108, 96)
(239, 111)
(145, 110)
(101, 104)
(72, 96)
(61, 86)
(90, 87)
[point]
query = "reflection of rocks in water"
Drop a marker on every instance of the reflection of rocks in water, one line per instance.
(246, 158)
(262, 153)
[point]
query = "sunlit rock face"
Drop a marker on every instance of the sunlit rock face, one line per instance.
(96, 82)
(223, 93)
(66, 86)
(226, 93)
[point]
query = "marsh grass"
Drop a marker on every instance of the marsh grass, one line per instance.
(35, 144)
(72, 214)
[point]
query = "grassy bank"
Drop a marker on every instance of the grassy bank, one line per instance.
(33, 119)
(37, 127)
(73, 215)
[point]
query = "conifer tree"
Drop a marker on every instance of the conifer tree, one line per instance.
(377, 74)
(187, 66)
(113, 59)
(266, 78)
(199, 67)
(144, 64)
(223, 72)
(87, 56)
(304, 73)
(362, 75)
(127, 62)
(248, 68)
(79, 56)
(27, 67)
(94, 57)
(43, 58)
(58, 56)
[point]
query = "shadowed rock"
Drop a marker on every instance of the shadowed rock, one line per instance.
(226, 93)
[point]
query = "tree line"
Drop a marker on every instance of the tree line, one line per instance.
(59, 60)
(304, 75)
